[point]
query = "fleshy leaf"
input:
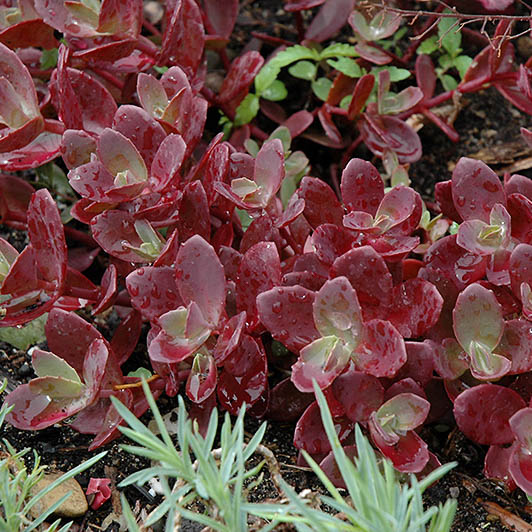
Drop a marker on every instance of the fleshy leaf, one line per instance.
(483, 412)
(477, 317)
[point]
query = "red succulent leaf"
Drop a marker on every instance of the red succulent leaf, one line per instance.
(69, 336)
(153, 291)
(202, 379)
(329, 466)
(401, 413)
(34, 33)
(382, 350)
(91, 100)
(140, 128)
(108, 290)
(407, 385)
(416, 307)
(300, 5)
(259, 271)
(179, 333)
(167, 162)
(15, 195)
(450, 360)
(515, 345)
(287, 403)
(362, 187)
(244, 377)
(368, 274)
(101, 491)
(45, 231)
(201, 279)
(239, 77)
(447, 262)
(184, 37)
(310, 434)
(321, 204)
(287, 314)
(444, 197)
(476, 189)
(520, 209)
(337, 312)
(322, 360)
(518, 184)
(419, 365)
(39, 151)
(496, 465)
(330, 241)
(329, 19)
(77, 147)
(477, 317)
(112, 229)
(425, 75)
(483, 412)
(361, 93)
(229, 338)
(381, 25)
(34, 411)
(359, 393)
(221, 18)
(126, 336)
(520, 269)
(520, 465)
(408, 455)
(381, 133)
(521, 424)
(194, 218)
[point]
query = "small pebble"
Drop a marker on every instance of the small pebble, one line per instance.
(24, 370)
(454, 492)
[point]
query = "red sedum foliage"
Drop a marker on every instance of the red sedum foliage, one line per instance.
(237, 257)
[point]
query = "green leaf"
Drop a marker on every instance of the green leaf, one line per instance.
(321, 88)
(140, 373)
(303, 70)
(53, 178)
(462, 63)
(275, 92)
(338, 50)
(448, 82)
(245, 218)
(247, 110)
(270, 71)
(450, 36)
(160, 69)
(346, 66)
(283, 134)
(396, 74)
(24, 337)
(346, 101)
(49, 59)
(428, 46)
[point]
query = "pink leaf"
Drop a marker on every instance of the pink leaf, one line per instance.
(361, 394)
(321, 204)
(483, 412)
(322, 360)
(382, 350)
(496, 465)
(330, 18)
(310, 435)
(200, 278)
(362, 187)
(259, 271)
(99, 488)
(287, 314)
(167, 162)
(221, 17)
(476, 189)
(202, 379)
(416, 307)
(153, 291)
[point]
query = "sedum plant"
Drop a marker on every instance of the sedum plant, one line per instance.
(17, 483)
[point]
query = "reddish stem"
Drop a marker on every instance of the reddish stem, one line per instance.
(300, 26)
(151, 28)
(54, 126)
(270, 39)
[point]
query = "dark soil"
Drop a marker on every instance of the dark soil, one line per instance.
(489, 129)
